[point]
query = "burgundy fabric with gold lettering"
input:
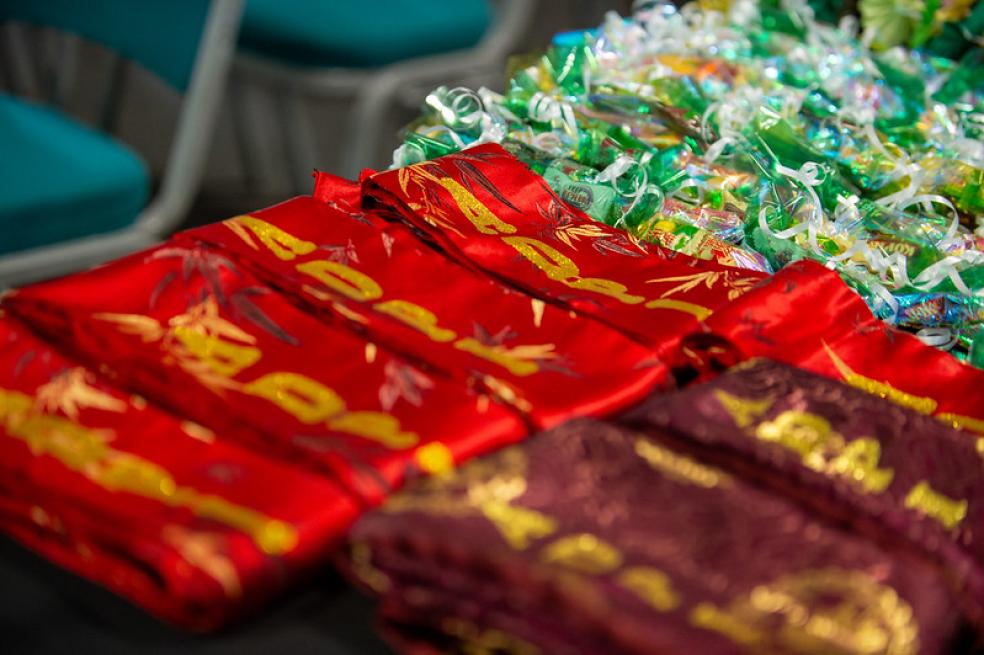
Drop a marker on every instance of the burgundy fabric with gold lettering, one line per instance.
(893, 473)
(178, 519)
(592, 538)
(487, 209)
(377, 278)
(188, 328)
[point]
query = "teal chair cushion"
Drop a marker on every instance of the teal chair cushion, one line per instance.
(357, 33)
(161, 35)
(61, 180)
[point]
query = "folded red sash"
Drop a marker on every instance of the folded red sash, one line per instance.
(190, 329)
(377, 278)
(596, 539)
(806, 316)
(174, 517)
(485, 208)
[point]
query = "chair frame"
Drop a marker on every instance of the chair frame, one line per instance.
(182, 174)
(374, 91)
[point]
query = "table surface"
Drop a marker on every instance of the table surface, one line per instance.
(44, 609)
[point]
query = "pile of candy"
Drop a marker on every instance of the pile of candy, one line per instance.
(754, 135)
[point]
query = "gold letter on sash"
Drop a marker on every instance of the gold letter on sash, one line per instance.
(282, 244)
(220, 356)
(416, 317)
(480, 216)
(305, 399)
(499, 356)
(343, 279)
(375, 426)
(562, 269)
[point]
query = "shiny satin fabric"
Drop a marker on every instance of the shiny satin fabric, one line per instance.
(188, 328)
(487, 209)
(806, 316)
(592, 538)
(174, 517)
(892, 473)
(353, 268)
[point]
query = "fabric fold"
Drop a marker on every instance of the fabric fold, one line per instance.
(172, 516)
(594, 538)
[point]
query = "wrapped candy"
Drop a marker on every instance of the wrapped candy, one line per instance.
(869, 162)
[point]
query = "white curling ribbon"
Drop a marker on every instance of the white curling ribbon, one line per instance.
(846, 213)
(463, 109)
(908, 196)
(458, 107)
(891, 268)
(734, 111)
(869, 132)
(690, 183)
(495, 103)
(809, 175)
(402, 155)
(937, 337)
(947, 268)
(894, 269)
(926, 200)
(618, 168)
(715, 149)
(544, 109)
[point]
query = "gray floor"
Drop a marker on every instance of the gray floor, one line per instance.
(45, 610)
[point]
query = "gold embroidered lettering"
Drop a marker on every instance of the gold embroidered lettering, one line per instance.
(220, 356)
(744, 411)
(417, 317)
(375, 426)
(282, 244)
(651, 585)
(305, 399)
(88, 453)
(498, 355)
(924, 499)
(480, 216)
(342, 279)
(561, 268)
(699, 311)
(583, 552)
(825, 450)
(679, 467)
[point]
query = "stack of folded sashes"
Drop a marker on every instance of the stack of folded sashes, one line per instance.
(199, 424)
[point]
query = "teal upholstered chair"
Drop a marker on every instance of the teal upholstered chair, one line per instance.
(71, 195)
(374, 54)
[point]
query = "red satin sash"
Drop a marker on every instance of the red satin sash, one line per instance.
(351, 267)
(190, 329)
(486, 208)
(177, 518)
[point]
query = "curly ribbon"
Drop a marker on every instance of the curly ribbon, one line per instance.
(937, 337)
(462, 109)
(641, 186)
(809, 176)
(545, 109)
